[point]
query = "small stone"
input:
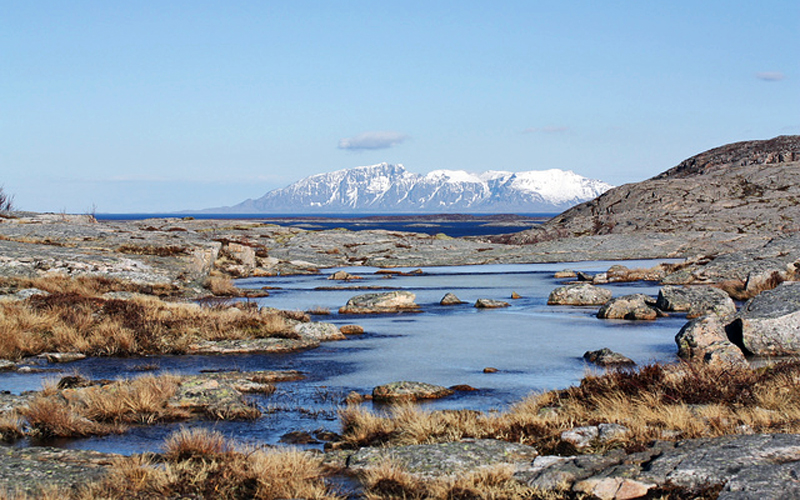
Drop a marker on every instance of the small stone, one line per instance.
(351, 329)
(489, 369)
(490, 304)
(607, 357)
(579, 294)
(462, 388)
(298, 437)
(565, 274)
(62, 357)
(450, 300)
(631, 307)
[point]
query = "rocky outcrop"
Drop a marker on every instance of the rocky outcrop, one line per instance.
(745, 187)
(408, 391)
(695, 300)
(632, 307)
(769, 324)
(606, 357)
(379, 303)
(579, 294)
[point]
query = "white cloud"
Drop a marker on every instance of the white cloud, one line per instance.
(373, 140)
(550, 129)
(770, 76)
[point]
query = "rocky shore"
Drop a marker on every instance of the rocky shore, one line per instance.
(730, 215)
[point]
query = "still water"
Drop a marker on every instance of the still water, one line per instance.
(533, 346)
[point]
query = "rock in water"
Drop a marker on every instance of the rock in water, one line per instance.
(376, 303)
(490, 304)
(450, 300)
(607, 357)
(633, 307)
(579, 294)
(409, 391)
(319, 331)
(695, 300)
(769, 324)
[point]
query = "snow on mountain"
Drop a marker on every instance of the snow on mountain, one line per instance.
(391, 188)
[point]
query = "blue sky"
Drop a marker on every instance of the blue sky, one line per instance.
(160, 106)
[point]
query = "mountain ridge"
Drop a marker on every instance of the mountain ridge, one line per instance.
(390, 188)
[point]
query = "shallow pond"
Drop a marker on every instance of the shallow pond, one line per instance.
(533, 346)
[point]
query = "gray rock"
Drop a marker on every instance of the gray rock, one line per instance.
(607, 357)
(6, 365)
(61, 357)
(579, 294)
(632, 307)
(445, 459)
(769, 324)
(705, 338)
(319, 331)
(376, 303)
(695, 300)
(490, 304)
(587, 436)
(409, 391)
(450, 299)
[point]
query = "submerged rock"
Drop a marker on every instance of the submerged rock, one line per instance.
(376, 303)
(409, 391)
(695, 300)
(632, 307)
(579, 294)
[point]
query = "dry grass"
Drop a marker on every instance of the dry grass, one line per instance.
(75, 318)
(85, 285)
(222, 286)
(388, 481)
(654, 402)
(102, 409)
(203, 464)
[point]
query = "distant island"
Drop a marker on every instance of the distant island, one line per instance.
(388, 188)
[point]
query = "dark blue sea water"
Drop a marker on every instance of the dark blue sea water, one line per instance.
(477, 225)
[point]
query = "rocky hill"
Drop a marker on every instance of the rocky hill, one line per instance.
(387, 188)
(748, 187)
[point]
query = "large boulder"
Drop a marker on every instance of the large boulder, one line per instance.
(634, 307)
(376, 303)
(408, 391)
(579, 294)
(769, 324)
(705, 339)
(695, 300)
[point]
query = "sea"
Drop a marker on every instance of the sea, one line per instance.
(454, 225)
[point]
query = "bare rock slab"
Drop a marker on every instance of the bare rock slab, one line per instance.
(579, 294)
(377, 303)
(445, 459)
(769, 324)
(409, 391)
(695, 300)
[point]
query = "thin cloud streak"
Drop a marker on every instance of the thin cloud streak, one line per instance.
(372, 140)
(771, 76)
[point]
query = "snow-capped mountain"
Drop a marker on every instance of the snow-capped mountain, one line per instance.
(391, 188)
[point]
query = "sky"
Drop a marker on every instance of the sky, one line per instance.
(154, 106)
